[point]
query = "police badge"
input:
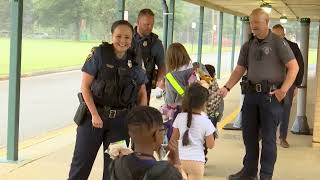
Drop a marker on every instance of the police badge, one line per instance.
(145, 43)
(266, 50)
(129, 63)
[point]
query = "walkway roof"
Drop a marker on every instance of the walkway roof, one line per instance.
(293, 9)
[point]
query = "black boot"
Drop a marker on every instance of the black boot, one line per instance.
(241, 176)
(265, 177)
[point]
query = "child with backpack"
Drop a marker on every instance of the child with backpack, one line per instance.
(215, 104)
(178, 78)
(179, 65)
(193, 129)
(146, 130)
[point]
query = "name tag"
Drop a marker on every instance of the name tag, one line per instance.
(110, 66)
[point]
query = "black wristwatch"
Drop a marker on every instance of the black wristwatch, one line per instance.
(226, 87)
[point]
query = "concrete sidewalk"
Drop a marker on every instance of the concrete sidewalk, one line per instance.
(49, 156)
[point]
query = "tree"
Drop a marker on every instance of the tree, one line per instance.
(4, 15)
(28, 16)
(101, 15)
(62, 13)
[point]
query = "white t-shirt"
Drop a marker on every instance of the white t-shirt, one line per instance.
(201, 126)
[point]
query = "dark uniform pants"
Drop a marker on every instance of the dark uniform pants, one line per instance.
(88, 142)
(260, 111)
(284, 123)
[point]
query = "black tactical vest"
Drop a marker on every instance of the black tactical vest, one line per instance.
(115, 83)
(143, 47)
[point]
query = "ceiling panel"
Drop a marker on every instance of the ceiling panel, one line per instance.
(291, 8)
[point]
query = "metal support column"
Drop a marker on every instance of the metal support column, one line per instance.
(171, 21)
(316, 115)
(233, 42)
(165, 23)
(246, 31)
(121, 7)
(14, 80)
(200, 34)
(300, 125)
(219, 44)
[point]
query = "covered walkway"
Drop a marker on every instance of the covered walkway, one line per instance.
(49, 156)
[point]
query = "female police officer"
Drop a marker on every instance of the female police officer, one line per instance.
(111, 84)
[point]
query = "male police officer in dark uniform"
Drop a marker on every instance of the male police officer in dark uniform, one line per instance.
(149, 49)
(112, 83)
(279, 30)
(266, 58)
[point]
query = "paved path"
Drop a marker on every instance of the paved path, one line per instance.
(49, 102)
(49, 156)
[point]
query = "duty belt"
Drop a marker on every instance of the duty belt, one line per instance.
(263, 87)
(113, 112)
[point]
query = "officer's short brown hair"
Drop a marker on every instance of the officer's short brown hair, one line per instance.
(259, 12)
(145, 12)
(278, 26)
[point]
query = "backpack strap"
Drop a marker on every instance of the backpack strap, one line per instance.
(112, 171)
(175, 84)
(120, 165)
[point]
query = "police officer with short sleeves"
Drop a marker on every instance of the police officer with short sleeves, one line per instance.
(149, 50)
(112, 83)
(266, 58)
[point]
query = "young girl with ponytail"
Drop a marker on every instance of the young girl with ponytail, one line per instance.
(193, 129)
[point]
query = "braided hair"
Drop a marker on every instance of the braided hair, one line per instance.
(195, 98)
(144, 116)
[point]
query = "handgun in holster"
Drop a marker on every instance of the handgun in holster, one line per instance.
(245, 85)
(151, 71)
(79, 117)
(154, 78)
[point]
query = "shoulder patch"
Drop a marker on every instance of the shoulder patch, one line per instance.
(89, 57)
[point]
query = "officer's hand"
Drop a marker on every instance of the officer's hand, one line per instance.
(97, 121)
(223, 92)
(279, 93)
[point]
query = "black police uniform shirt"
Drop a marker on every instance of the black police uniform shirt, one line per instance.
(266, 59)
(157, 50)
(94, 63)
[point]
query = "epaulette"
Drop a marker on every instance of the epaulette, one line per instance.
(104, 43)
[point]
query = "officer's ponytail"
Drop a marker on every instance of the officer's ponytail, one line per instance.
(194, 99)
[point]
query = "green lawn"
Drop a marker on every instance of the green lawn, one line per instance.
(44, 55)
(312, 56)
